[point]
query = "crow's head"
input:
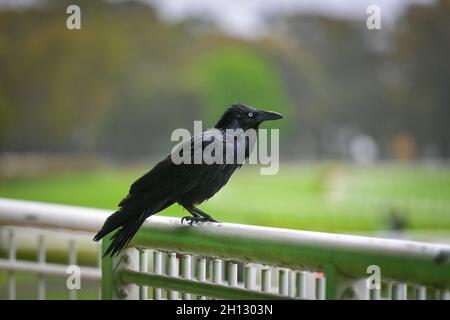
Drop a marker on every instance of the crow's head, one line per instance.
(241, 116)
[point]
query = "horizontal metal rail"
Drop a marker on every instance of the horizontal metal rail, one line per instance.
(337, 255)
(195, 287)
(51, 216)
(53, 269)
(407, 261)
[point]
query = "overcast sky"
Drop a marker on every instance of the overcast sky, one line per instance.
(245, 18)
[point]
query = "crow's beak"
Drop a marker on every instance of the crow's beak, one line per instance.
(268, 115)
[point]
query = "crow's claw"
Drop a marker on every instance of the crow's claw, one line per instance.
(191, 220)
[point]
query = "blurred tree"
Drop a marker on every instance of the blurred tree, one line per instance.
(235, 74)
(422, 51)
(120, 84)
(332, 73)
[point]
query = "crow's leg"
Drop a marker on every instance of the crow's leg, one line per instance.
(197, 216)
(206, 216)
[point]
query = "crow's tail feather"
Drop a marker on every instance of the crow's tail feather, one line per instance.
(127, 221)
(123, 236)
(128, 218)
(114, 221)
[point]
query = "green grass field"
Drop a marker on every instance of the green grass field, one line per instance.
(326, 197)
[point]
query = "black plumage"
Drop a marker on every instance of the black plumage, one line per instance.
(186, 184)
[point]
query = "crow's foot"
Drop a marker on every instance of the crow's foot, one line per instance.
(191, 220)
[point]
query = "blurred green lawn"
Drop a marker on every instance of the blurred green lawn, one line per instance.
(325, 197)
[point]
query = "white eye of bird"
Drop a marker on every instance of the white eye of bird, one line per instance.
(250, 114)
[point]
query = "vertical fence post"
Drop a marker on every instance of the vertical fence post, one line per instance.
(217, 271)
(250, 277)
(300, 284)
(41, 260)
(266, 279)
(157, 269)
(143, 267)
(99, 265)
(342, 287)
(291, 280)
(446, 295)
(420, 293)
(399, 291)
(186, 272)
(201, 272)
(232, 274)
(173, 271)
(283, 282)
(12, 253)
(112, 287)
(72, 261)
(320, 286)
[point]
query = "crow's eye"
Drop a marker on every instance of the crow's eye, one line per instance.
(250, 114)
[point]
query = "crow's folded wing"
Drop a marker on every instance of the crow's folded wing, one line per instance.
(167, 178)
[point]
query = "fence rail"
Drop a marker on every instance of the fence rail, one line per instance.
(167, 259)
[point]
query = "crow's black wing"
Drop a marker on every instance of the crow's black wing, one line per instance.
(168, 178)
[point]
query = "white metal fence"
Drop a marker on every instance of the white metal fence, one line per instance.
(41, 244)
(176, 261)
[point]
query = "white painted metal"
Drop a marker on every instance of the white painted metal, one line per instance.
(128, 259)
(300, 284)
(446, 295)
(43, 215)
(87, 273)
(173, 272)
(399, 291)
(320, 287)
(291, 283)
(201, 272)
(402, 291)
(99, 265)
(143, 267)
(217, 271)
(250, 277)
(209, 269)
(283, 282)
(266, 279)
(232, 274)
(157, 269)
(186, 271)
(41, 260)
(420, 292)
(375, 294)
(72, 262)
(12, 259)
(310, 285)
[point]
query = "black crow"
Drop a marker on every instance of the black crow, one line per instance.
(186, 184)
